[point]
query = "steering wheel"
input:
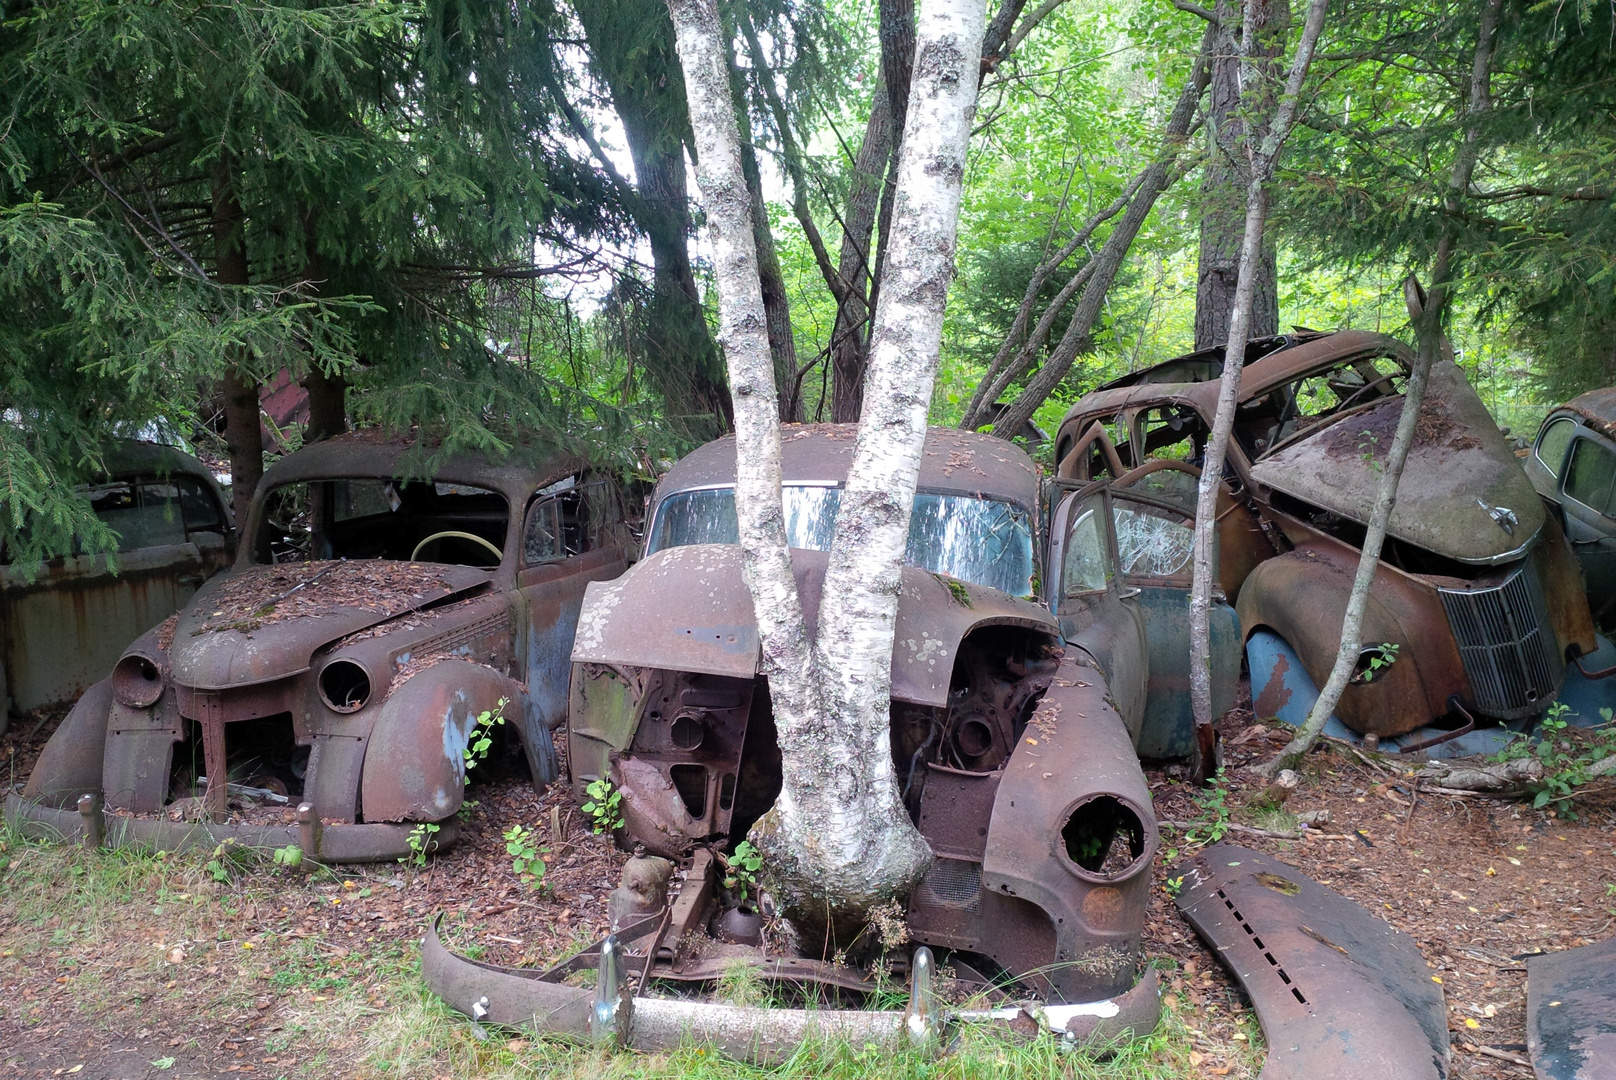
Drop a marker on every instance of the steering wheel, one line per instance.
(453, 534)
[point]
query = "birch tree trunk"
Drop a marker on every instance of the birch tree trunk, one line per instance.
(1426, 314)
(1262, 158)
(838, 839)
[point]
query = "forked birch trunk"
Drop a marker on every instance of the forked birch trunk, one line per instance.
(1426, 315)
(1251, 253)
(838, 839)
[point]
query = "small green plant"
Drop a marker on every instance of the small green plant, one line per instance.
(481, 739)
(1174, 885)
(1212, 819)
(290, 856)
(605, 806)
(1367, 446)
(1566, 760)
(743, 867)
(225, 858)
(1374, 660)
(522, 845)
(466, 807)
(421, 843)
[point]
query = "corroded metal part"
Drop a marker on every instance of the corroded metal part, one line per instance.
(333, 843)
(1571, 1013)
(1339, 992)
(688, 609)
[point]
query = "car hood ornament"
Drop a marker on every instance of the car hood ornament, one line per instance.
(1503, 515)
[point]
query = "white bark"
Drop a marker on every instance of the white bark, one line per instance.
(1206, 516)
(838, 839)
(1426, 316)
(742, 330)
(839, 823)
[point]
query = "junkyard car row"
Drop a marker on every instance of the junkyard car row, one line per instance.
(382, 602)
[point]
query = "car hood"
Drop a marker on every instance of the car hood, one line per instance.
(1461, 476)
(266, 622)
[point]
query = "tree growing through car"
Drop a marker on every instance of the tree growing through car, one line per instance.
(838, 840)
(1262, 157)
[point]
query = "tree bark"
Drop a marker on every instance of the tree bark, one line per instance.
(631, 42)
(1227, 173)
(1079, 335)
(850, 331)
(327, 390)
(838, 839)
(776, 305)
(1262, 157)
(242, 435)
(1426, 315)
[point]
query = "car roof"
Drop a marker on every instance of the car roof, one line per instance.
(954, 462)
(1597, 408)
(1193, 378)
(528, 467)
(126, 458)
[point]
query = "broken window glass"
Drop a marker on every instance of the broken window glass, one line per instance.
(1152, 542)
(985, 541)
(1084, 562)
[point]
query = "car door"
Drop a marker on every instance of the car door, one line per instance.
(572, 534)
(67, 622)
(1097, 611)
(1588, 498)
(1153, 511)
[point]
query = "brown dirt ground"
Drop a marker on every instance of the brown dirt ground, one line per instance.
(1477, 883)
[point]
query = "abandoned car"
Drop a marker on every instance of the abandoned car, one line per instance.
(1573, 465)
(1478, 605)
(376, 610)
(64, 622)
(1022, 691)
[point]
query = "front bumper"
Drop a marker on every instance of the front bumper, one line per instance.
(91, 826)
(518, 997)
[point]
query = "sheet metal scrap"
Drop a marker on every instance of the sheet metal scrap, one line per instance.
(1571, 1013)
(1339, 992)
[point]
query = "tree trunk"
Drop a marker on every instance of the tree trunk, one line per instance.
(1426, 315)
(1227, 173)
(838, 839)
(1262, 155)
(776, 305)
(850, 331)
(243, 437)
(631, 43)
(327, 390)
(1079, 335)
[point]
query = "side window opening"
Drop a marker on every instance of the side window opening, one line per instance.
(373, 518)
(1553, 444)
(1173, 432)
(570, 517)
(1264, 422)
(1086, 457)
(1086, 560)
(1590, 475)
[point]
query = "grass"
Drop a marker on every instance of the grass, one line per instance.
(96, 933)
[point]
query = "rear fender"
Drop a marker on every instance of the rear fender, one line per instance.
(415, 767)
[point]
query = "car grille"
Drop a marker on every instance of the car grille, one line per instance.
(1506, 643)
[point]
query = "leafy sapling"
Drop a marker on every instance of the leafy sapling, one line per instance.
(605, 806)
(482, 735)
(742, 870)
(527, 857)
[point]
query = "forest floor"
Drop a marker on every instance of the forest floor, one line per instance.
(122, 965)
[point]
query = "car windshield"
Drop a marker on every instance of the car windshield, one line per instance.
(980, 540)
(368, 518)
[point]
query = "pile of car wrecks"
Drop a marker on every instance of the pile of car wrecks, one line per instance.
(1041, 653)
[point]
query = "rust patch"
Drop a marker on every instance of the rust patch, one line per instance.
(1275, 695)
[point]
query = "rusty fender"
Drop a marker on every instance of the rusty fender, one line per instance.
(516, 997)
(1340, 993)
(1571, 1013)
(688, 609)
(70, 764)
(415, 765)
(1302, 595)
(1073, 835)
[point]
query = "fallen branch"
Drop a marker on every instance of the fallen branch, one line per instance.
(1513, 777)
(1248, 830)
(1501, 1055)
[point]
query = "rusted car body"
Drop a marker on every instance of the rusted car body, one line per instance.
(376, 609)
(1573, 465)
(1022, 687)
(1477, 588)
(64, 622)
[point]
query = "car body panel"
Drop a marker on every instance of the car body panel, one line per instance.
(64, 622)
(1582, 431)
(1571, 1013)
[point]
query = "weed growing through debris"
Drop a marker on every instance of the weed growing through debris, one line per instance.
(1566, 756)
(527, 861)
(741, 870)
(481, 739)
(604, 806)
(1212, 817)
